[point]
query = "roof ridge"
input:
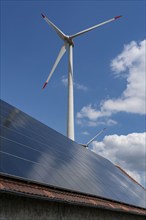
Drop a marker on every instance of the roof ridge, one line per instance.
(120, 168)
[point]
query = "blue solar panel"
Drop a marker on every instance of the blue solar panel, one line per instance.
(35, 152)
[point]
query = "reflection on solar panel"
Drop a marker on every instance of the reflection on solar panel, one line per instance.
(34, 152)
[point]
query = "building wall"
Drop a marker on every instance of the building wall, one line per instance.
(14, 207)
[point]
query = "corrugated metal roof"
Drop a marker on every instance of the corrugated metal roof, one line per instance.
(11, 185)
(32, 151)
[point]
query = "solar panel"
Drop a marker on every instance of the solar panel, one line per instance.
(32, 151)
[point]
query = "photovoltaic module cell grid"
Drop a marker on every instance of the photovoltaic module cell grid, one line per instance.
(32, 151)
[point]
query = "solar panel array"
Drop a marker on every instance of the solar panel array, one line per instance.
(32, 151)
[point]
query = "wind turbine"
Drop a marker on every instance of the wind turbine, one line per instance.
(68, 45)
(91, 140)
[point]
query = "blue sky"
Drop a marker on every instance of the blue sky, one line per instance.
(108, 72)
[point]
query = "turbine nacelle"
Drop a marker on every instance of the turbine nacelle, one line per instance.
(69, 40)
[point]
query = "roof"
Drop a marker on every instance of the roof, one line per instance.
(34, 152)
(23, 188)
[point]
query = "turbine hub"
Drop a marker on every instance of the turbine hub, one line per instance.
(69, 40)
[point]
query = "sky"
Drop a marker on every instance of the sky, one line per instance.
(109, 72)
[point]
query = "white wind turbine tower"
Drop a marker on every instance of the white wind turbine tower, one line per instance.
(68, 45)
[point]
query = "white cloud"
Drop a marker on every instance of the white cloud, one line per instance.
(132, 64)
(64, 80)
(109, 122)
(89, 116)
(91, 113)
(132, 55)
(128, 151)
(85, 133)
(78, 86)
(132, 100)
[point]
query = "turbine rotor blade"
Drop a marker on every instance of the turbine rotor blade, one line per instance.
(58, 31)
(89, 142)
(61, 53)
(96, 26)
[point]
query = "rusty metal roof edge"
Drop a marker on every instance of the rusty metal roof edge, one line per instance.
(141, 212)
(43, 192)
